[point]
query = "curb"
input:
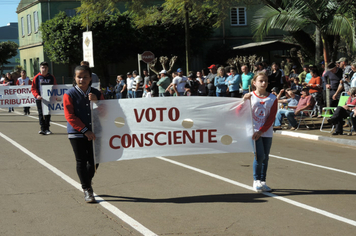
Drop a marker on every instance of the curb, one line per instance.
(317, 137)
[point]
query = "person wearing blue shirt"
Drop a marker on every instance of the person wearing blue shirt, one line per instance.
(233, 82)
(219, 82)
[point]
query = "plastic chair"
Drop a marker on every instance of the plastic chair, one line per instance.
(329, 111)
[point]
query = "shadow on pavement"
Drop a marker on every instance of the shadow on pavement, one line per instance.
(243, 197)
(288, 192)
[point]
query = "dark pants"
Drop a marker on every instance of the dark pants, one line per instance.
(338, 117)
(235, 94)
(211, 93)
(26, 110)
(44, 120)
(83, 151)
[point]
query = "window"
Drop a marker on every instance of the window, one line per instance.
(23, 27)
(238, 16)
(31, 68)
(24, 64)
(29, 28)
(35, 19)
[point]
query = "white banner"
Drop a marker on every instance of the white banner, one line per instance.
(88, 54)
(52, 98)
(171, 126)
(16, 96)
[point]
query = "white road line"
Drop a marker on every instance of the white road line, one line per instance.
(315, 165)
(124, 217)
(295, 203)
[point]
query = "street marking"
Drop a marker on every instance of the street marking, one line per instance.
(315, 165)
(113, 209)
(124, 217)
(295, 203)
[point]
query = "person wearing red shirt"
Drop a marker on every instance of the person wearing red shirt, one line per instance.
(315, 90)
(42, 78)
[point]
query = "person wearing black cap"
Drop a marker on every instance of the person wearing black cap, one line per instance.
(331, 81)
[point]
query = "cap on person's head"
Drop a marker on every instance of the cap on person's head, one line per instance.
(134, 72)
(322, 63)
(331, 65)
(342, 59)
(129, 73)
(305, 90)
(190, 76)
(311, 65)
(258, 63)
(305, 66)
(294, 67)
(179, 70)
(213, 66)
(163, 72)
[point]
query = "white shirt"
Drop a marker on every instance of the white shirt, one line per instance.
(180, 82)
(129, 82)
(26, 80)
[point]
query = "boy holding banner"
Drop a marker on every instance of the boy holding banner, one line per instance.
(77, 112)
(42, 78)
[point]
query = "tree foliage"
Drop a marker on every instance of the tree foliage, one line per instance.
(332, 17)
(8, 49)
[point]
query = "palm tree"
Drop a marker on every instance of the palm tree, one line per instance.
(330, 17)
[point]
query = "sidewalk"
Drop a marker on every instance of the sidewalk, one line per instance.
(314, 133)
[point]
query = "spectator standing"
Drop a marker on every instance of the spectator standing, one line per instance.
(163, 83)
(233, 82)
(146, 80)
(119, 87)
(137, 85)
(153, 85)
(219, 82)
(201, 80)
(24, 80)
(9, 81)
(178, 84)
(129, 84)
(94, 77)
(193, 84)
(334, 75)
(259, 68)
(274, 79)
(246, 78)
(264, 105)
(42, 78)
(315, 90)
(210, 80)
(303, 74)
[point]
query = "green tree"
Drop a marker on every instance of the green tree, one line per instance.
(8, 49)
(331, 17)
(114, 39)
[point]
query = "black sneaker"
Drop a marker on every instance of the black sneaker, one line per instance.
(48, 132)
(89, 196)
(42, 132)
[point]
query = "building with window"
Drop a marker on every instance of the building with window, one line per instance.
(31, 13)
(10, 33)
(235, 31)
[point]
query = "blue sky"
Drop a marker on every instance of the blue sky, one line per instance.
(8, 11)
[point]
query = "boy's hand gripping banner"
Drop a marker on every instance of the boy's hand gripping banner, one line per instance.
(170, 126)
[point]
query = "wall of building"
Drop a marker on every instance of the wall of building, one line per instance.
(10, 33)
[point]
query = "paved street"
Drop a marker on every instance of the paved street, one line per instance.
(313, 181)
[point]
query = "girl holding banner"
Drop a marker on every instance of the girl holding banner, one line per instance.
(264, 109)
(76, 102)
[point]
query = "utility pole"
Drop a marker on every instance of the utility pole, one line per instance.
(187, 9)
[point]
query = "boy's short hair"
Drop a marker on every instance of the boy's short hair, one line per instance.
(44, 63)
